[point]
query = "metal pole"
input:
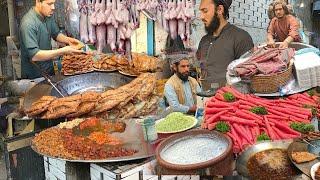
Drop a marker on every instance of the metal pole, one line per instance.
(11, 17)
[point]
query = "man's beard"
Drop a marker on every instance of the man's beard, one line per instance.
(214, 24)
(183, 77)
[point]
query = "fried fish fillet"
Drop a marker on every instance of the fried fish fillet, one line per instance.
(301, 157)
(40, 106)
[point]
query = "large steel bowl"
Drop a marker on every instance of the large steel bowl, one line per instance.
(242, 161)
(220, 165)
(95, 81)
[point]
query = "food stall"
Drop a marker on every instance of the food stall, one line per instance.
(102, 117)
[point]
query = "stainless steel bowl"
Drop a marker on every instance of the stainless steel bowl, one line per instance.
(95, 81)
(241, 164)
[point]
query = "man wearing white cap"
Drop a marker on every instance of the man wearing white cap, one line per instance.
(181, 90)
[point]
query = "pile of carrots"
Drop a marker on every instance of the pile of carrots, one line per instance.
(246, 126)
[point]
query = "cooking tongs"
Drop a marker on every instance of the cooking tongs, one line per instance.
(62, 92)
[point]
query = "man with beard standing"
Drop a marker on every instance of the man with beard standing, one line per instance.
(181, 90)
(284, 27)
(223, 42)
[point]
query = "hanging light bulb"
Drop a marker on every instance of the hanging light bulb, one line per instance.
(301, 5)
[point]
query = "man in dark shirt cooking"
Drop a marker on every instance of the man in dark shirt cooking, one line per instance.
(223, 42)
(36, 30)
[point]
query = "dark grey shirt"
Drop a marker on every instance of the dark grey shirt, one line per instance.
(35, 34)
(217, 52)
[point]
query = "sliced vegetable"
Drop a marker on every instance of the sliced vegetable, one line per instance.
(259, 110)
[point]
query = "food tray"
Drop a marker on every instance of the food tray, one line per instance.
(241, 163)
(78, 72)
(195, 121)
(94, 81)
(133, 138)
(128, 74)
(301, 146)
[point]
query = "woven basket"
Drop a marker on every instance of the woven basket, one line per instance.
(271, 83)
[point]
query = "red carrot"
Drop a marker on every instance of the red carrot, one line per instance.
(286, 128)
(290, 112)
(211, 126)
(254, 115)
(204, 125)
(219, 96)
(245, 107)
(273, 116)
(235, 92)
(241, 132)
(270, 131)
(216, 110)
(271, 110)
(235, 135)
(215, 117)
(246, 103)
(315, 98)
(284, 135)
(238, 120)
(294, 119)
(244, 115)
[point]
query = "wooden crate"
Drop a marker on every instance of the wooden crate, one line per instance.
(136, 170)
(56, 169)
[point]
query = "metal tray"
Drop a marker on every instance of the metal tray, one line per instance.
(132, 137)
(302, 146)
(94, 81)
(241, 164)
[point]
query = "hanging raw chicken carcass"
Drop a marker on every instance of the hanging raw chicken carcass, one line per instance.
(91, 26)
(72, 18)
(84, 35)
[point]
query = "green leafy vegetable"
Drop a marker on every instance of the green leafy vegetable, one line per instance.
(262, 137)
(222, 127)
(314, 110)
(229, 97)
(310, 92)
(175, 121)
(259, 110)
(302, 127)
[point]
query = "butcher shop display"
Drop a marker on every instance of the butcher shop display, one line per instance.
(112, 22)
(83, 139)
(137, 98)
(265, 61)
(83, 63)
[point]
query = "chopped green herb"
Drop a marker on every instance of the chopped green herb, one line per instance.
(262, 137)
(314, 110)
(229, 97)
(222, 127)
(310, 92)
(259, 110)
(302, 127)
(174, 122)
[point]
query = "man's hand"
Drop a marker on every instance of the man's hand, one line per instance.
(284, 44)
(192, 109)
(271, 44)
(70, 50)
(75, 43)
